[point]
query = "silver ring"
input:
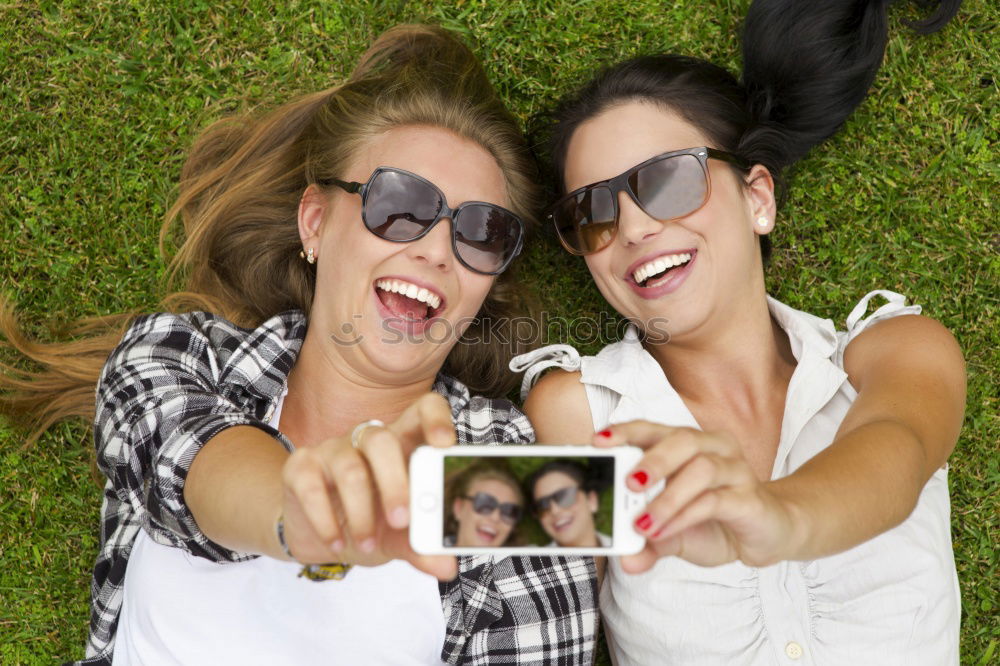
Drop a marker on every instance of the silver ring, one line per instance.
(360, 428)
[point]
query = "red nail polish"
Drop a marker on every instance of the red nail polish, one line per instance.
(645, 522)
(604, 433)
(640, 477)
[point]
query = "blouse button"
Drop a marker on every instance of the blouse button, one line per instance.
(793, 650)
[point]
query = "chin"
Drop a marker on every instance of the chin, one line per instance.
(402, 357)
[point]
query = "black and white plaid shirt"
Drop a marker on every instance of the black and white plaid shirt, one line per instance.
(175, 381)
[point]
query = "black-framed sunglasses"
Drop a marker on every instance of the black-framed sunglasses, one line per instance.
(484, 504)
(400, 206)
(666, 187)
(564, 497)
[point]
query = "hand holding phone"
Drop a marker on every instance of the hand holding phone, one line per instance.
(714, 509)
(524, 500)
(350, 504)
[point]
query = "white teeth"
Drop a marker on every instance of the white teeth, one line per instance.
(410, 291)
(660, 264)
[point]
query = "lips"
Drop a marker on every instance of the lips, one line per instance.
(662, 283)
(562, 523)
(488, 535)
(407, 304)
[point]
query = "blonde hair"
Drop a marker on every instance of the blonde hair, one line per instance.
(237, 205)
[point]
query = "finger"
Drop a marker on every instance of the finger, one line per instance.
(716, 504)
(674, 450)
(643, 434)
(382, 450)
(350, 477)
(442, 567)
(699, 474)
(639, 562)
(306, 485)
(427, 421)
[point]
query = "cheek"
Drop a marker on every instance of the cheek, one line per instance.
(475, 289)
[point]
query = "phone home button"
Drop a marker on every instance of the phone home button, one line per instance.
(427, 502)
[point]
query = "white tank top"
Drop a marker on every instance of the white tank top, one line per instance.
(182, 609)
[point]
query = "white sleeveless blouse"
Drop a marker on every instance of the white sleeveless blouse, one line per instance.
(893, 600)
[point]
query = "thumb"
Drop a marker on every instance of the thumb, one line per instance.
(442, 567)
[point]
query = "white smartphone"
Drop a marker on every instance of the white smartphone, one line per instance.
(524, 500)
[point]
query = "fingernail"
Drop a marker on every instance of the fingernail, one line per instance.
(368, 545)
(400, 516)
(640, 477)
(604, 433)
(337, 546)
(644, 522)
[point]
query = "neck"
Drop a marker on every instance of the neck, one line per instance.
(740, 364)
(328, 398)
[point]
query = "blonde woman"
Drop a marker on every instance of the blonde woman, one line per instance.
(335, 251)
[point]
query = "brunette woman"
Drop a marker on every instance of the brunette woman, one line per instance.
(805, 517)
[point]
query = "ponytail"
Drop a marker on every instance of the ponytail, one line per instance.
(807, 66)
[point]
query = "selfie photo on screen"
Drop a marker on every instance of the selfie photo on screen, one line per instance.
(528, 501)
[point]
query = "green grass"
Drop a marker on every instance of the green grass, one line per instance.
(99, 101)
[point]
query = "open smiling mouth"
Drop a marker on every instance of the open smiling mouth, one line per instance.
(408, 301)
(652, 273)
(486, 533)
(562, 523)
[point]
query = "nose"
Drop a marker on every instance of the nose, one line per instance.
(434, 249)
(634, 225)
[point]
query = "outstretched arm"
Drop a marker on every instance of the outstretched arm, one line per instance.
(910, 378)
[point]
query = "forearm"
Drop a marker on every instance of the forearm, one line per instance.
(234, 490)
(866, 482)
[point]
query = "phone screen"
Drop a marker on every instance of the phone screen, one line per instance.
(528, 501)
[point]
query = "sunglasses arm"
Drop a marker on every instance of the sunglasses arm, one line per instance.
(352, 187)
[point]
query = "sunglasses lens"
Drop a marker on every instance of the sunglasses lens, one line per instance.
(399, 207)
(670, 188)
(585, 222)
(565, 497)
(484, 504)
(486, 237)
(510, 513)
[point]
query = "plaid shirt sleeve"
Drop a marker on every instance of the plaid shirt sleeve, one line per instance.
(158, 403)
(167, 388)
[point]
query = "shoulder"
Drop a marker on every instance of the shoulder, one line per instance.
(558, 409)
(191, 332)
(483, 420)
(910, 340)
(204, 347)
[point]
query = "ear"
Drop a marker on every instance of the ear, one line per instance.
(312, 211)
(592, 501)
(455, 507)
(760, 199)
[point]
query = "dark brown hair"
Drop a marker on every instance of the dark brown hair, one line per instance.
(806, 67)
